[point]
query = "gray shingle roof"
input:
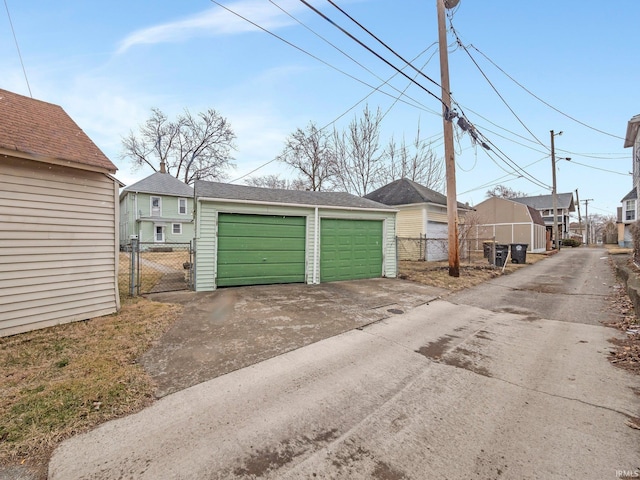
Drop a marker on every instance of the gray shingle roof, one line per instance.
(161, 184)
(408, 192)
(545, 202)
(227, 191)
(632, 195)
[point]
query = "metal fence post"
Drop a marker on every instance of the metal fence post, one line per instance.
(132, 268)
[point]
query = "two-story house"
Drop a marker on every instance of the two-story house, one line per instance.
(544, 204)
(157, 209)
(628, 212)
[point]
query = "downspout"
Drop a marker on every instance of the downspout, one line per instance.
(316, 236)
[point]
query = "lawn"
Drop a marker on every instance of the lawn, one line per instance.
(64, 380)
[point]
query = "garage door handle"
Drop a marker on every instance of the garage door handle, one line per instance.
(264, 259)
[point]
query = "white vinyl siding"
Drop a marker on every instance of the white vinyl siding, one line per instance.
(58, 245)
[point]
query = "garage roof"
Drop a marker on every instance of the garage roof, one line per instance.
(408, 192)
(246, 194)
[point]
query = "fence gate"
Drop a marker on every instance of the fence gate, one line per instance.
(156, 267)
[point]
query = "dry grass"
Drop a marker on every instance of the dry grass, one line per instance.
(64, 380)
(616, 250)
(472, 272)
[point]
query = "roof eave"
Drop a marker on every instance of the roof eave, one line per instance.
(56, 161)
(297, 205)
(632, 131)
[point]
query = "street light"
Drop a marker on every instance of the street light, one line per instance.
(554, 192)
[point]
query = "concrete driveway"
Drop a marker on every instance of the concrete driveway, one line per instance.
(232, 328)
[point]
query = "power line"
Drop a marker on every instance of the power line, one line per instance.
(420, 72)
(543, 101)
(601, 169)
(494, 88)
(402, 93)
(362, 44)
(307, 53)
(15, 39)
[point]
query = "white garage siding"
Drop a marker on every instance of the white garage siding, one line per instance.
(58, 245)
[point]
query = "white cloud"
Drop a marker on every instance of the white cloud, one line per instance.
(215, 21)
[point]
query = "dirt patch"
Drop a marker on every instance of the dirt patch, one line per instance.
(472, 272)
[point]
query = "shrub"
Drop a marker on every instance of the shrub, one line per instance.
(571, 242)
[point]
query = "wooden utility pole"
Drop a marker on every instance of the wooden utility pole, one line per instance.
(449, 151)
(554, 193)
(586, 216)
(579, 217)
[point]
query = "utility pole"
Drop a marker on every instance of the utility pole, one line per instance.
(554, 192)
(586, 215)
(579, 217)
(449, 152)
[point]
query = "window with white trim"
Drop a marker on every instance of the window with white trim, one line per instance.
(630, 210)
(182, 206)
(176, 229)
(156, 206)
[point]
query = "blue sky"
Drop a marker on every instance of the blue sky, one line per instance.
(107, 64)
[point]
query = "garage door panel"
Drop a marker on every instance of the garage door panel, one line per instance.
(253, 258)
(259, 244)
(350, 249)
(260, 249)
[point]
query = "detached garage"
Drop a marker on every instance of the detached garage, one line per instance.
(253, 236)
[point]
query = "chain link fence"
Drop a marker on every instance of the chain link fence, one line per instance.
(427, 249)
(154, 268)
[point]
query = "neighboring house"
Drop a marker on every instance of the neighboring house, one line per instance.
(58, 211)
(628, 213)
(510, 222)
(422, 213)
(544, 205)
(157, 209)
(251, 236)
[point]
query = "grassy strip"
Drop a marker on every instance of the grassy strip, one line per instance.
(64, 380)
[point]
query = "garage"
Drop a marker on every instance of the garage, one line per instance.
(350, 249)
(248, 235)
(260, 249)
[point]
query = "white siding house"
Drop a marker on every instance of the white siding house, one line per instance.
(628, 212)
(58, 219)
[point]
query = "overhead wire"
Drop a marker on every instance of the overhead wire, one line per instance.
(369, 49)
(315, 57)
(15, 39)
(541, 100)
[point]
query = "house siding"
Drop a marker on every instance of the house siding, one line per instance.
(411, 222)
(206, 236)
(58, 250)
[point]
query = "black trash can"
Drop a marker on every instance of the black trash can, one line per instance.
(501, 255)
(519, 252)
(487, 248)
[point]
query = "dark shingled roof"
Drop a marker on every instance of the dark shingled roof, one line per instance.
(161, 184)
(545, 202)
(408, 192)
(44, 130)
(227, 191)
(536, 216)
(632, 195)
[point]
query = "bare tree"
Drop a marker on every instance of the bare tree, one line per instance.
(501, 191)
(188, 148)
(275, 181)
(417, 162)
(358, 156)
(310, 155)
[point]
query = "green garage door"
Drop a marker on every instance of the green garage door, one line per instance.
(260, 249)
(350, 249)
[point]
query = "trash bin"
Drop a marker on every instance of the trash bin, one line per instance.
(487, 248)
(501, 255)
(519, 252)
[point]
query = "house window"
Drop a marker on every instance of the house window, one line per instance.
(177, 229)
(156, 206)
(159, 234)
(630, 210)
(182, 206)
